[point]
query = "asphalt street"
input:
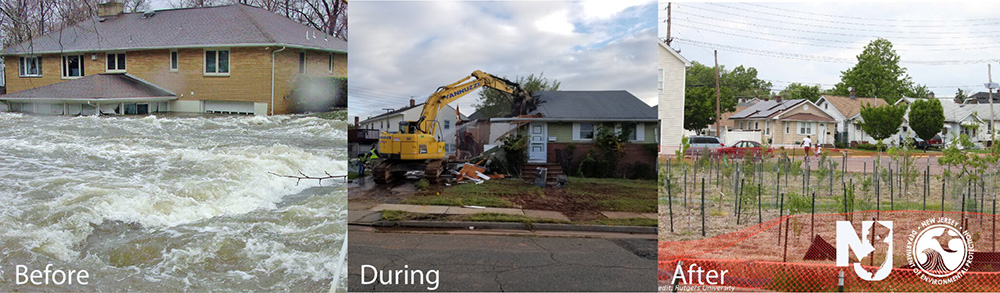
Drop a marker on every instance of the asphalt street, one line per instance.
(467, 262)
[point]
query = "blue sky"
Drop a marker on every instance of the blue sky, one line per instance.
(403, 49)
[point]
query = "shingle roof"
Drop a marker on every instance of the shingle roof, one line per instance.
(104, 86)
(230, 25)
(954, 112)
(983, 98)
(766, 109)
(602, 105)
(850, 107)
(807, 117)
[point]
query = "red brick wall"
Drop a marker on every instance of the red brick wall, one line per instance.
(634, 153)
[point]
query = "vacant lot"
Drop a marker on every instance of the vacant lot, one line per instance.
(582, 200)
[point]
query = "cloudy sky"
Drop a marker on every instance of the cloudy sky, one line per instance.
(943, 45)
(404, 49)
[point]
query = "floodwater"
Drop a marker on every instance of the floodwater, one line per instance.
(173, 203)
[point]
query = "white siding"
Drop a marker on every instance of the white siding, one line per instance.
(671, 98)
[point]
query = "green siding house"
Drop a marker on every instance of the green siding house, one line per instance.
(565, 118)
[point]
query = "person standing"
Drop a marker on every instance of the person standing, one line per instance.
(806, 144)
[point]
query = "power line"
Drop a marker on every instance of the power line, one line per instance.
(818, 57)
(830, 33)
(873, 19)
(799, 23)
(950, 45)
(843, 22)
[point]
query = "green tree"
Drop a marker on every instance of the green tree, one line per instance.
(926, 118)
(878, 74)
(883, 121)
(493, 103)
(699, 97)
(961, 96)
(801, 91)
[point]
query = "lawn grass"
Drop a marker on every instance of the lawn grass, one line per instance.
(394, 215)
(619, 195)
(491, 193)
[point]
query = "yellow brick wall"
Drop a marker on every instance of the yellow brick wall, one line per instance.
(249, 78)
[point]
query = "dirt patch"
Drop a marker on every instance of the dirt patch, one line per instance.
(576, 207)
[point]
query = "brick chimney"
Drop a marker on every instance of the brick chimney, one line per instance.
(110, 8)
(413, 102)
(777, 99)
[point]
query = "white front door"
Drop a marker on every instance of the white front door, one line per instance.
(822, 133)
(537, 138)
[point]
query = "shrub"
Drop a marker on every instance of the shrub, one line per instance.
(422, 184)
(870, 147)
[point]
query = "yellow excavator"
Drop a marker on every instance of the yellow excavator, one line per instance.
(418, 145)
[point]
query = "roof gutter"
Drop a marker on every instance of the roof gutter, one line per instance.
(272, 77)
(575, 119)
(89, 100)
(177, 47)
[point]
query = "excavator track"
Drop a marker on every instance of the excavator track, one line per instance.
(382, 173)
(433, 171)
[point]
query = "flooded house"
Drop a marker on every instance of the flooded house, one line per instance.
(232, 59)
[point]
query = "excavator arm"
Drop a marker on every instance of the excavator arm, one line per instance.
(449, 93)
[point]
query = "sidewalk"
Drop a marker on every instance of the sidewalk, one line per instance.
(374, 214)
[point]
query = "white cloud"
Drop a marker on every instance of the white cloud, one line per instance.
(557, 22)
(403, 49)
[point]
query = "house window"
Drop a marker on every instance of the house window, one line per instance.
(756, 125)
(767, 127)
(786, 127)
(331, 64)
(173, 61)
(217, 62)
(741, 124)
(72, 66)
(659, 80)
(447, 124)
(30, 66)
(583, 131)
(116, 62)
(904, 128)
(805, 127)
(302, 62)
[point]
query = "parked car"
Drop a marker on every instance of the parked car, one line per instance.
(919, 143)
(703, 145)
(937, 141)
(742, 148)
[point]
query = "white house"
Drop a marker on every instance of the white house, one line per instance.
(958, 119)
(389, 122)
(671, 71)
(844, 110)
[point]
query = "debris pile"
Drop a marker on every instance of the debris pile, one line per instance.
(474, 173)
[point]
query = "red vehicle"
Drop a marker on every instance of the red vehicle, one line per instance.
(741, 148)
(936, 141)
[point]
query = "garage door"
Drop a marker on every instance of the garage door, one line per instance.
(228, 107)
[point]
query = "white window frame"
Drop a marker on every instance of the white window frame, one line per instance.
(447, 124)
(808, 126)
(21, 62)
(174, 60)
(229, 62)
(117, 68)
(660, 79)
(63, 69)
(577, 128)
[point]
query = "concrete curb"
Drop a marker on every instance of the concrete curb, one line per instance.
(514, 226)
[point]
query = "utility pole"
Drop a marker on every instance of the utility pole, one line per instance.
(668, 25)
(718, 128)
(993, 136)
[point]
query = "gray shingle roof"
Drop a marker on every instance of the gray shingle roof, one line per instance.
(103, 86)
(620, 105)
(230, 25)
(765, 109)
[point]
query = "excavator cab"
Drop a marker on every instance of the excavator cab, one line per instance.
(407, 127)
